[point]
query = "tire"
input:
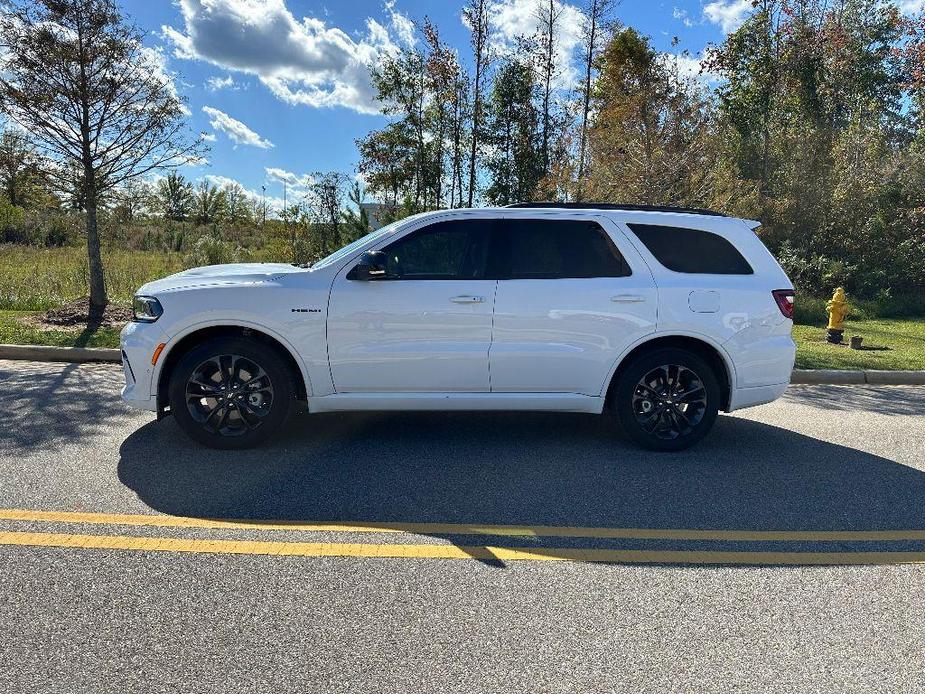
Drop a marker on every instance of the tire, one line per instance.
(231, 393)
(667, 400)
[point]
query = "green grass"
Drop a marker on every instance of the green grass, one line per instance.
(14, 332)
(897, 344)
(36, 279)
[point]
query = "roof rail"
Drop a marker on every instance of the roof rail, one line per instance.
(616, 206)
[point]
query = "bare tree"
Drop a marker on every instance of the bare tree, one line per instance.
(595, 14)
(548, 13)
(75, 74)
(325, 201)
(460, 109)
(476, 16)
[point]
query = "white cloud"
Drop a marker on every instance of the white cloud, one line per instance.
(512, 19)
(690, 67)
(911, 6)
(729, 14)
(156, 62)
(401, 24)
(273, 203)
(236, 131)
(214, 84)
(302, 61)
(682, 15)
(207, 137)
(297, 184)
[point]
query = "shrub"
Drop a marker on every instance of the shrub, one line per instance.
(212, 250)
(11, 221)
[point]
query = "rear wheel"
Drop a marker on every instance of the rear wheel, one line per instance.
(667, 400)
(231, 392)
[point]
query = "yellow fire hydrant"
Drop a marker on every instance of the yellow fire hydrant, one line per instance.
(837, 307)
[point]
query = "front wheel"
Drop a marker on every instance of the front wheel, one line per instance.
(667, 400)
(231, 393)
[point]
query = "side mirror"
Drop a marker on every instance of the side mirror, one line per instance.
(371, 266)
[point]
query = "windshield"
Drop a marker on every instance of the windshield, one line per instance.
(351, 247)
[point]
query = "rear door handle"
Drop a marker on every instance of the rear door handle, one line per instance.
(628, 298)
(467, 299)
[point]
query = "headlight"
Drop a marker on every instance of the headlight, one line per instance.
(146, 309)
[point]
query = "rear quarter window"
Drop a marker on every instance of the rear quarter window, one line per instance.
(692, 251)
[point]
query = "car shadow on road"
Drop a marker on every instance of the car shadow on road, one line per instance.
(48, 404)
(524, 469)
(890, 401)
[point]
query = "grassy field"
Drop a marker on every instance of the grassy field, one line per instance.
(888, 344)
(14, 331)
(36, 279)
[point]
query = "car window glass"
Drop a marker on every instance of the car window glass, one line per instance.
(559, 248)
(691, 250)
(454, 249)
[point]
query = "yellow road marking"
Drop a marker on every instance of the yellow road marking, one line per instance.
(464, 528)
(319, 549)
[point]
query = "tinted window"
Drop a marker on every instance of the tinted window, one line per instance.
(455, 249)
(557, 248)
(692, 250)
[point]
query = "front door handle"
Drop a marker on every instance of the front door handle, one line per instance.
(467, 299)
(628, 298)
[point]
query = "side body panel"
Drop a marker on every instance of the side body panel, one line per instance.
(410, 335)
(736, 311)
(291, 309)
(561, 335)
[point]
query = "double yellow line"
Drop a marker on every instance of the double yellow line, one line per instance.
(450, 551)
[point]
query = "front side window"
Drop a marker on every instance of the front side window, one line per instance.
(450, 250)
(691, 250)
(557, 249)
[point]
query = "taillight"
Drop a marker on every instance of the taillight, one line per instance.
(784, 299)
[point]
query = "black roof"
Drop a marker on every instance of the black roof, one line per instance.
(616, 206)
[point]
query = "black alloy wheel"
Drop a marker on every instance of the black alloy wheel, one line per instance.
(229, 395)
(231, 392)
(667, 399)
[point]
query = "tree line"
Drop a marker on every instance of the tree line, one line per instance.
(808, 117)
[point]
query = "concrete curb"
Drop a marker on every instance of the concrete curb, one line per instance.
(67, 354)
(827, 376)
(896, 378)
(870, 377)
(798, 377)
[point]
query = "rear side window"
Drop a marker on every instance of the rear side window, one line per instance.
(692, 250)
(556, 249)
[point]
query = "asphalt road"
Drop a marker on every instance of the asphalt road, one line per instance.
(191, 604)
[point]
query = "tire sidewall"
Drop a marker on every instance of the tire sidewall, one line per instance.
(263, 355)
(637, 369)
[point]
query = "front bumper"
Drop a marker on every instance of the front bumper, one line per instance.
(138, 342)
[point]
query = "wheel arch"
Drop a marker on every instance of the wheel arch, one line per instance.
(196, 334)
(700, 345)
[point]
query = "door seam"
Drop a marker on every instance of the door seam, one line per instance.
(491, 334)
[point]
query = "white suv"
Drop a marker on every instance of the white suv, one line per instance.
(661, 316)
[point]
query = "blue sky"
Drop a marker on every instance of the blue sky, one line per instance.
(280, 86)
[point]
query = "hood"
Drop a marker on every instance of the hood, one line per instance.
(220, 275)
